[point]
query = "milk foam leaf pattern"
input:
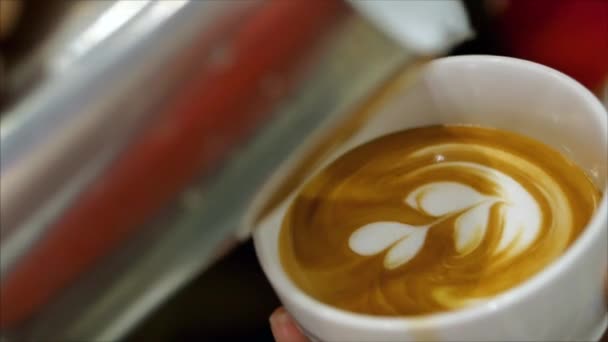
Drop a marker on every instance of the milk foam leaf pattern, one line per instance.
(375, 237)
(406, 249)
(432, 199)
(441, 200)
(519, 229)
(471, 226)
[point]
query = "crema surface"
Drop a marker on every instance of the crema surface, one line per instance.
(433, 219)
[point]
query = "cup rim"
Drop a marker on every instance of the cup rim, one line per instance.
(592, 231)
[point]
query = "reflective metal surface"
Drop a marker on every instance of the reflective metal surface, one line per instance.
(142, 131)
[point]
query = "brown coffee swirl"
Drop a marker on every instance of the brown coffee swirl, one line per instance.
(432, 219)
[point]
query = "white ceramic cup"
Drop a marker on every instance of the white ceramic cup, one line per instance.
(564, 301)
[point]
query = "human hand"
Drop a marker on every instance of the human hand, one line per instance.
(284, 328)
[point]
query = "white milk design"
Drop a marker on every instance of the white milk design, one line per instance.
(520, 213)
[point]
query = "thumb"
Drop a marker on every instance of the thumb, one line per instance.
(284, 328)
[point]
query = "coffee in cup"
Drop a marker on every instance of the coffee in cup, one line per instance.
(433, 219)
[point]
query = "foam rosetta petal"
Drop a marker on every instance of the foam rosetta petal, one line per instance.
(375, 237)
(470, 227)
(441, 198)
(406, 249)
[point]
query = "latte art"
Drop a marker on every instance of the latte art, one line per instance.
(433, 219)
(521, 215)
